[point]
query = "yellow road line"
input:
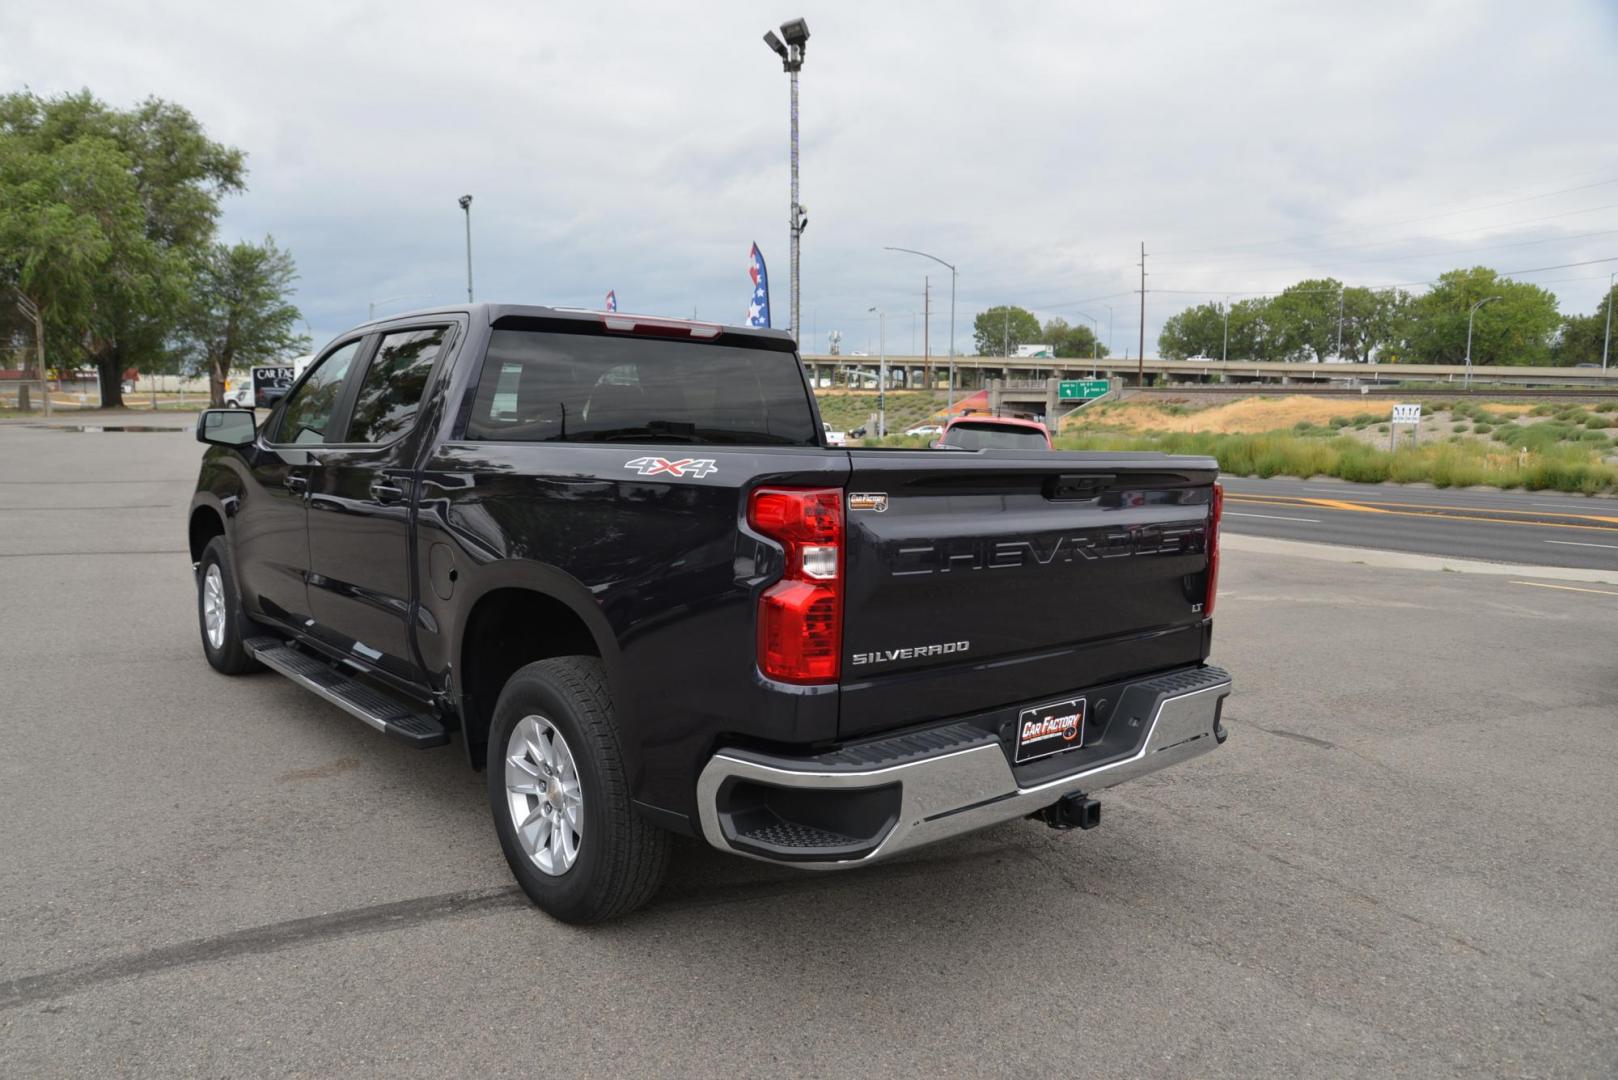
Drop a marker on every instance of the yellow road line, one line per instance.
(1463, 515)
(1565, 588)
(1368, 506)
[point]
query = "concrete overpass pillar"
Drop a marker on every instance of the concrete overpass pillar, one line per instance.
(997, 389)
(1053, 399)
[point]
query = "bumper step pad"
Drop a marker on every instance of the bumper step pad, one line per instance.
(352, 695)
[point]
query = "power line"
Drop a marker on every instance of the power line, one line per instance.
(1404, 221)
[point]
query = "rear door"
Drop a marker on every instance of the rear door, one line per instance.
(979, 579)
(360, 580)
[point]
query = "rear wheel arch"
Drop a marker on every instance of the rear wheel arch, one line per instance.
(508, 627)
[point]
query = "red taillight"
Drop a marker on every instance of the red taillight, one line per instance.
(800, 617)
(1215, 513)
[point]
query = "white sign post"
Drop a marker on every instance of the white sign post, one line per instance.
(1405, 414)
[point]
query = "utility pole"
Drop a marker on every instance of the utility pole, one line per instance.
(1140, 360)
(1005, 342)
(31, 312)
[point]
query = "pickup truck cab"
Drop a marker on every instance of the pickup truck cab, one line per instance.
(613, 559)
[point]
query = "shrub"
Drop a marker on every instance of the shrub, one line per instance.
(1593, 421)
(1482, 429)
(1460, 427)
(1607, 406)
(1542, 410)
(1383, 428)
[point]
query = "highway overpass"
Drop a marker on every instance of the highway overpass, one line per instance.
(975, 371)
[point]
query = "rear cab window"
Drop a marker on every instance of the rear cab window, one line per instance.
(542, 383)
(991, 436)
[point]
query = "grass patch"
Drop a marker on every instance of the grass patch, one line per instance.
(1557, 466)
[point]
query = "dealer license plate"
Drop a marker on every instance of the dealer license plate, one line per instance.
(1049, 729)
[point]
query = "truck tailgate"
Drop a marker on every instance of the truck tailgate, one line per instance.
(975, 579)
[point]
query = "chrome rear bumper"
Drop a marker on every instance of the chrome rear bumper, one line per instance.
(964, 781)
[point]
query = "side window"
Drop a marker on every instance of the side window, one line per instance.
(391, 391)
(309, 412)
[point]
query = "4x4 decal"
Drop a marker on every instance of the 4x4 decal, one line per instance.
(656, 466)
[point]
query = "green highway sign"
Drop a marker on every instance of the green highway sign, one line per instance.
(1081, 389)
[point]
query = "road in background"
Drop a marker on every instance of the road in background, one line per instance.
(1400, 864)
(1536, 528)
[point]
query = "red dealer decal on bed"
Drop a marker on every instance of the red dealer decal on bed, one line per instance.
(656, 466)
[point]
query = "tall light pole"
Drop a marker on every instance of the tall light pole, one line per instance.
(1469, 317)
(791, 53)
(950, 406)
(1341, 293)
(466, 205)
(1606, 342)
(1224, 350)
(1095, 338)
(881, 371)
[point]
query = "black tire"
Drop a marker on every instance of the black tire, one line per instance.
(229, 658)
(621, 858)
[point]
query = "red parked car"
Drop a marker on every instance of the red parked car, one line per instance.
(994, 433)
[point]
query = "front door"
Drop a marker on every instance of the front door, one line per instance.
(271, 524)
(360, 500)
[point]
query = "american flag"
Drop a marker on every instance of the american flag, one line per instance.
(758, 312)
(612, 300)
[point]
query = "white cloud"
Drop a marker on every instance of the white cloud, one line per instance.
(644, 148)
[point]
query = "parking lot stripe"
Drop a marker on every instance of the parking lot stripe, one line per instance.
(1565, 588)
(1271, 517)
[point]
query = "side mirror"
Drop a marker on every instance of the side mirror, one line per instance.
(226, 427)
(936, 444)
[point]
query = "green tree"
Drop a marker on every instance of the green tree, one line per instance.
(1516, 329)
(1582, 336)
(64, 213)
(156, 221)
(1304, 319)
(999, 330)
(239, 311)
(1071, 341)
(1196, 331)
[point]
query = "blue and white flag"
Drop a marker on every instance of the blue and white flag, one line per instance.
(758, 312)
(612, 300)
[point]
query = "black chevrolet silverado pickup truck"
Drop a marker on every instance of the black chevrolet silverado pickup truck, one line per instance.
(613, 557)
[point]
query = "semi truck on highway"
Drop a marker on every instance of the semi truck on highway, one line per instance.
(615, 560)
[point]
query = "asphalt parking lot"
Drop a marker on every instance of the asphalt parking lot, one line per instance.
(1403, 862)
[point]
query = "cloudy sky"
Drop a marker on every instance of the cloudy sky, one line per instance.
(643, 148)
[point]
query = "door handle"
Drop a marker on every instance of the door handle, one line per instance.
(296, 484)
(384, 492)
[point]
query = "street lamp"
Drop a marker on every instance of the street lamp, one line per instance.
(881, 371)
(1469, 317)
(791, 53)
(466, 205)
(950, 407)
(370, 310)
(1224, 350)
(1095, 338)
(1606, 342)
